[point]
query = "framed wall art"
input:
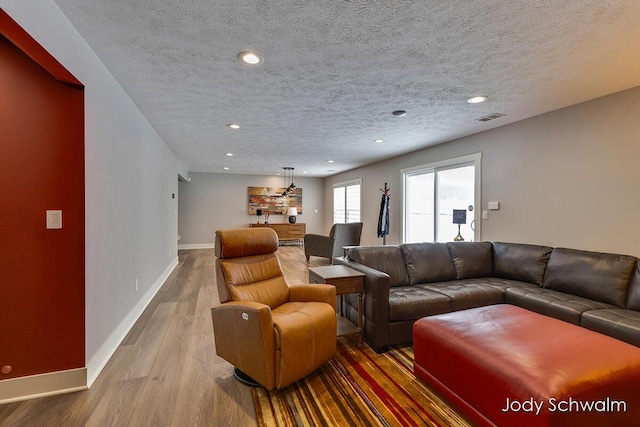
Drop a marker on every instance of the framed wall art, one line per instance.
(271, 200)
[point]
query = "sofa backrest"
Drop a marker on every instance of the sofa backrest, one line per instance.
(633, 301)
(428, 262)
(516, 261)
(598, 276)
(471, 259)
(387, 258)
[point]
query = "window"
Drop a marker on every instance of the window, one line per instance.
(431, 194)
(346, 201)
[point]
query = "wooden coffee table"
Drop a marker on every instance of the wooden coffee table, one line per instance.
(347, 281)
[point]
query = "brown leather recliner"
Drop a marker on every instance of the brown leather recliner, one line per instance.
(274, 333)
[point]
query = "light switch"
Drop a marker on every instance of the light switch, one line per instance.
(54, 220)
(494, 206)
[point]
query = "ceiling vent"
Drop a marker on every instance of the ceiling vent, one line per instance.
(491, 117)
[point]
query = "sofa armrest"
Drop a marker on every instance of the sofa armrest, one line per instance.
(376, 302)
(315, 292)
(245, 337)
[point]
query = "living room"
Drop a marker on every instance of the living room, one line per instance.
(565, 177)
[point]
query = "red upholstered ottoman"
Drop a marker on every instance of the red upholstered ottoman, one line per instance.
(506, 366)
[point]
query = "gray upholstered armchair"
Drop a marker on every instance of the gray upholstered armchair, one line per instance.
(331, 246)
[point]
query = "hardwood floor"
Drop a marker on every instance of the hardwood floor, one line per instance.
(165, 372)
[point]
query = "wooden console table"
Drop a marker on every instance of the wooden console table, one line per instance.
(287, 231)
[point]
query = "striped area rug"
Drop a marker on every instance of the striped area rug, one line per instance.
(357, 388)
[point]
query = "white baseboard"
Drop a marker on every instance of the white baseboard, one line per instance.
(196, 246)
(102, 356)
(42, 385)
(51, 383)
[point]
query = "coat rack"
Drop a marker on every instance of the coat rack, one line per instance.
(383, 219)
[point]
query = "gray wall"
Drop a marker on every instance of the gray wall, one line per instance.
(130, 174)
(212, 201)
(566, 178)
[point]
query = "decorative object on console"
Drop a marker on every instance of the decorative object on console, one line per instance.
(266, 217)
(270, 199)
(258, 214)
(292, 212)
(459, 217)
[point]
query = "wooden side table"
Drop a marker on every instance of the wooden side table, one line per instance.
(347, 281)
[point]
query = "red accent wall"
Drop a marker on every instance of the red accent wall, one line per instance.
(42, 167)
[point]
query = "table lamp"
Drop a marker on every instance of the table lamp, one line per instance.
(292, 212)
(459, 217)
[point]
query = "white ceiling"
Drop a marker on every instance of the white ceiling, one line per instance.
(334, 71)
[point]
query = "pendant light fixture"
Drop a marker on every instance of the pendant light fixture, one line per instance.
(288, 177)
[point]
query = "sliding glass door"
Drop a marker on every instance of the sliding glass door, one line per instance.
(431, 195)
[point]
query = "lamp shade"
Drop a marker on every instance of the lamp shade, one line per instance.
(459, 216)
(292, 211)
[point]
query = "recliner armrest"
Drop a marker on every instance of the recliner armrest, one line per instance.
(315, 292)
(245, 337)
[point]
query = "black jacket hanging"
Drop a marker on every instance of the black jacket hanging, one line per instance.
(383, 219)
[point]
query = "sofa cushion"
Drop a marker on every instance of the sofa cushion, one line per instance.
(387, 258)
(500, 283)
(618, 323)
(412, 302)
(633, 300)
(552, 303)
(428, 262)
(516, 261)
(471, 259)
(598, 276)
(466, 293)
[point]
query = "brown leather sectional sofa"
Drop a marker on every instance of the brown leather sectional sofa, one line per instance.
(404, 283)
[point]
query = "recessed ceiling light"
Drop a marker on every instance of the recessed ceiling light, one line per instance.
(399, 113)
(477, 99)
(233, 126)
(304, 172)
(229, 154)
(378, 140)
(330, 161)
(226, 168)
(251, 58)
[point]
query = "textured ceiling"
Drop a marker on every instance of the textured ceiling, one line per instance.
(335, 70)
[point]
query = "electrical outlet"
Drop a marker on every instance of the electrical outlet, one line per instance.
(136, 285)
(485, 214)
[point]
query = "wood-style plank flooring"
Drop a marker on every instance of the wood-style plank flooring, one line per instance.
(165, 372)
